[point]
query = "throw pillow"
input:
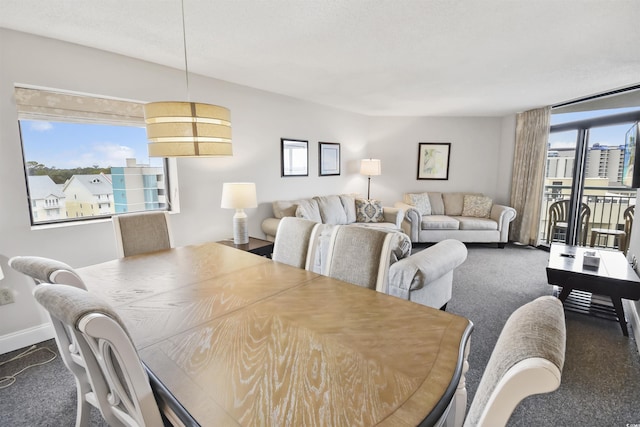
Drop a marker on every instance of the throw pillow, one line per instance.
(477, 206)
(421, 202)
(331, 210)
(308, 209)
(349, 205)
(369, 211)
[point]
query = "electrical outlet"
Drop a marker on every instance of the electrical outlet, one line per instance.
(6, 297)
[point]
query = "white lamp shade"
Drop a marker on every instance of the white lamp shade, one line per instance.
(239, 195)
(370, 167)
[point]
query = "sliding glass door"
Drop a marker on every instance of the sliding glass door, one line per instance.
(584, 187)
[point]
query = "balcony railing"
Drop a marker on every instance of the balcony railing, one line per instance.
(607, 205)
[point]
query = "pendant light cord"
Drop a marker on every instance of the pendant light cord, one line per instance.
(184, 43)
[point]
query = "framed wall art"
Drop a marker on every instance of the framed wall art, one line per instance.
(433, 160)
(328, 158)
(294, 157)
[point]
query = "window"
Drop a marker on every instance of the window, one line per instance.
(86, 157)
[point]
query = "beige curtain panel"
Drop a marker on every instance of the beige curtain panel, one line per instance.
(42, 104)
(532, 136)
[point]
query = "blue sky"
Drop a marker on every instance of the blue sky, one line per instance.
(609, 135)
(71, 145)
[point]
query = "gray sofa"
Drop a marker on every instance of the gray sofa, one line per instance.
(426, 277)
(334, 209)
(469, 217)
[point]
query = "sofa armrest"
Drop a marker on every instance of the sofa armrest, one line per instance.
(270, 227)
(411, 221)
(503, 215)
(393, 215)
(426, 266)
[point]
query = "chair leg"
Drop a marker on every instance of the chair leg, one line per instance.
(83, 409)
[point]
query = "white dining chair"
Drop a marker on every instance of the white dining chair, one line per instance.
(46, 270)
(291, 245)
(120, 386)
(528, 359)
(362, 255)
(142, 232)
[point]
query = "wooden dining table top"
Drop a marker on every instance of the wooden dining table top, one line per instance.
(240, 339)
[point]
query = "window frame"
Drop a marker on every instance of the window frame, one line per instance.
(51, 115)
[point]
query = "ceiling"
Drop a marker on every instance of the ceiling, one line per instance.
(375, 57)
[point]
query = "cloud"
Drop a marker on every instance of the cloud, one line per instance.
(39, 126)
(112, 154)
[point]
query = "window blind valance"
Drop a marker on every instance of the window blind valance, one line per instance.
(42, 104)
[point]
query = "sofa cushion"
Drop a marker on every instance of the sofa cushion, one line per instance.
(477, 206)
(453, 203)
(439, 222)
(308, 209)
(331, 210)
(437, 204)
(282, 208)
(420, 201)
(369, 211)
(349, 205)
(473, 223)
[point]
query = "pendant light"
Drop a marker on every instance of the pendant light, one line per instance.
(187, 129)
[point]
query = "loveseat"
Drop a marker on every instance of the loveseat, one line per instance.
(469, 217)
(335, 209)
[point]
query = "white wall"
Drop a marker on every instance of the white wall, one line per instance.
(476, 153)
(259, 120)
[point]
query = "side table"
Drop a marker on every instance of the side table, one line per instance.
(255, 246)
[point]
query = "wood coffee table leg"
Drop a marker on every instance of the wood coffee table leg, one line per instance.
(617, 304)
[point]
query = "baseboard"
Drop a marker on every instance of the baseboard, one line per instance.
(631, 311)
(26, 337)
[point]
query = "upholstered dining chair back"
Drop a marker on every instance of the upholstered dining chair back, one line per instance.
(527, 359)
(142, 232)
(46, 270)
(291, 245)
(120, 386)
(362, 255)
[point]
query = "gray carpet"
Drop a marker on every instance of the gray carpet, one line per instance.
(600, 382)
(601, 377)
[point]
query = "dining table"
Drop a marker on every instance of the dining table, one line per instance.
(231, 338)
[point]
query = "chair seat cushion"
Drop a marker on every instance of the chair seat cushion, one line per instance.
(608, 231)
(439, 222)
(473, 223)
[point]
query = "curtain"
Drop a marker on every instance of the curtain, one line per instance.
(43, 104)
(532, 136)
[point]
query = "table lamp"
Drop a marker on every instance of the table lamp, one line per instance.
(239, 195)
(370, 167)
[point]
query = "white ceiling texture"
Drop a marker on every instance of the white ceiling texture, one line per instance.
(375, 57)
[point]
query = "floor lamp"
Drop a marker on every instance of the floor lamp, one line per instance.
(238, 196)
(370, 167)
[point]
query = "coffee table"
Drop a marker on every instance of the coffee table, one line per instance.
(614, 277)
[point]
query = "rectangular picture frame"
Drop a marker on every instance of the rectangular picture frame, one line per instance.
(328, 158)
(433, 160)
(294, 157)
